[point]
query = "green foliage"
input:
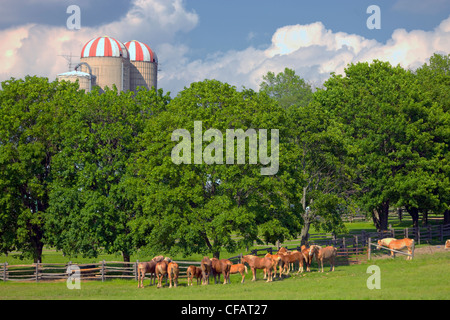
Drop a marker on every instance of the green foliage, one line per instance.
(89, 173)
(287, 88)
(200, 208)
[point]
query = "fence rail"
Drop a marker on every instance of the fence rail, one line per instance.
(93, 271)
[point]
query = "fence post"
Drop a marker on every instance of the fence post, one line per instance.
(369, 249)
(103, 270)
(441, 233)
(136, 270)
(37, 271)
(5, 266)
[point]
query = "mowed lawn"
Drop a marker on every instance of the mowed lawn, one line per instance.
(426, 277)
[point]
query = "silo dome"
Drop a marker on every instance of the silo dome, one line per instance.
(104, 47)
(143, 65)
(109, 60)
(139, 51)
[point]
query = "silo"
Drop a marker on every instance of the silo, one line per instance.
(85, 80)
(109, 61)
(144, 65)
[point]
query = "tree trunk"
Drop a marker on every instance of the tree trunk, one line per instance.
(304, 235)
(414, 213)
(446, 217)
(380, 216)
(126, 256)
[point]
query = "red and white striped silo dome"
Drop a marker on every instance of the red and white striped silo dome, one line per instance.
(139, 51)
(104, 47)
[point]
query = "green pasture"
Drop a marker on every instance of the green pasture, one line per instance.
(426, 277)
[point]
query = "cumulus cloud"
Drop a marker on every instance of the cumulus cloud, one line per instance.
(314, 52)
(35, 48)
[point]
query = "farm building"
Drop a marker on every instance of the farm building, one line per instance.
(106, 61)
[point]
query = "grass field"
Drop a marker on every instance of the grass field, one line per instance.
(426, 277)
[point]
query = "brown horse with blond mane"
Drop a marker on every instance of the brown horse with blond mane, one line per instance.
(239, 268)
(259, 263)
(221, 267)
(193, 271)
(328, 253)
(148, 267)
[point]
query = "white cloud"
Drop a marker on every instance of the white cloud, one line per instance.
(312, 50)
(35, 48)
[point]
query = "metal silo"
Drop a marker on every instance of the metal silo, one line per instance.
(85, 80)
(109, 61)
(144, 65)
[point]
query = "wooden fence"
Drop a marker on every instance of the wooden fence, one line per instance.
(93, 271)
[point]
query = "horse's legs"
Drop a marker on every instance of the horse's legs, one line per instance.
(254, 274)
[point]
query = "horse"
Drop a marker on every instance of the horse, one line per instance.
(161, 271)
(305, 251)
(327, 253)
(259, 263)
(239, 268)
(221, 266)
(276, 258)
(399, 244)
(147, 267)
(173, 270)
(193, 271)
(447, 244)
(205, 266)
(384, 242)
(292, 257)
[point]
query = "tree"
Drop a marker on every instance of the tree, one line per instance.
(30, 125)
(287, 88)
(195, 207)
(394, 140)
(93, 195)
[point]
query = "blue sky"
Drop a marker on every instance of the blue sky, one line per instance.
(232, 41)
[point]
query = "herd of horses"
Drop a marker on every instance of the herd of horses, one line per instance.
(283, 261)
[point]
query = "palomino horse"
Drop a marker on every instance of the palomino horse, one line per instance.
(221, 267)
(148, 267)
(384, 242)
(398, 245)
(259, 263)
(327, 253)
(193, 271)
(206, 269)
(239, 268)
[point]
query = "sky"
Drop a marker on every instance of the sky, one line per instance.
(233, 41)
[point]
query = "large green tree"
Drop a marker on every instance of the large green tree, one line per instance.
(216, 204)
(31, 117)
(395, 132)
(93, 196)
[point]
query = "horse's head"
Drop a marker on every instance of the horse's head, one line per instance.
(380, 243)
(313, 249)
